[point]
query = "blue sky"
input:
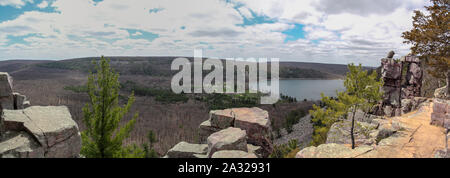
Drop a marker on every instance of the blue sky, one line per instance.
(311, 30)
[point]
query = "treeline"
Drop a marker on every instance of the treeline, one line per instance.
(216, 101)
(77, 88)
(160, 95)
(286, 72)
(289, 99)
(160, 66)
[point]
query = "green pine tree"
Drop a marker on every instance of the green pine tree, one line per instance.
(149, 151)
(363, 92)
(103, 137)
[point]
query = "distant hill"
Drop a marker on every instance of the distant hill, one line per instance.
(160, 66)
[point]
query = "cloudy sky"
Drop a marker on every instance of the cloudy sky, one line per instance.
(326, 31)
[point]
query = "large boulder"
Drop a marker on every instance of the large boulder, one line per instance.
(363, 132)
(391, 69)
(55, 122)
(20, 145)
(414, 74)
(409, 105)
(441, 113)
(233, 154)
(205, 130)
(333, 150)
(52, 126)
(221, 118)
(187, 150)
(227, 139)
(256, 123)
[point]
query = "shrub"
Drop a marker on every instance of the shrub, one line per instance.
(285, 150)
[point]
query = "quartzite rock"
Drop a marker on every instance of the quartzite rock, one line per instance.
(227, 139)
(340, 133)
(391, 69)
(221, 118)
(333, 150)
(5, 85)
(206, 129)
(52, 126)
(187, 150)
(20, 145)
(256, 123)
(441, 113)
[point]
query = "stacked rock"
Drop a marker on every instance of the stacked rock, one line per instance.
(226, 143)
(8, 98)
(441, 109)
(413, 83)
(391, 73)
(36, 131)
(230, 133)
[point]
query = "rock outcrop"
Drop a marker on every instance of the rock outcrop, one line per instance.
(408, 136)
(413, 81)
(187, 150)
(400, 88)
(254, 121)
(332, 150)
(409, 105)
(36, 131)
(391, 73)
(9, 99)
(227, 139)
(441, 113)
(232, 132)
(221, 119)
(365, 133)
(441, 109)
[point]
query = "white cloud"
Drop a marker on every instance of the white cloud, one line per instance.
(43, 4)
(15, 3)
(84, 28)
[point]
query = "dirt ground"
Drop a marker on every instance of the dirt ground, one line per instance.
(418, 139)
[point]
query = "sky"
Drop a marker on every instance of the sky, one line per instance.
(322, 31)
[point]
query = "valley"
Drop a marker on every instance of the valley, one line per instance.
(173, 117)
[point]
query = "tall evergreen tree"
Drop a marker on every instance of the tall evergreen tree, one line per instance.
(362, 93)
(103, 137)
(430, 38)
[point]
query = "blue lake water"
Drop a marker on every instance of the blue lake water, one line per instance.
(309, 89)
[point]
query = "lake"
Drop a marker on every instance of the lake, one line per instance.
(309, 89)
